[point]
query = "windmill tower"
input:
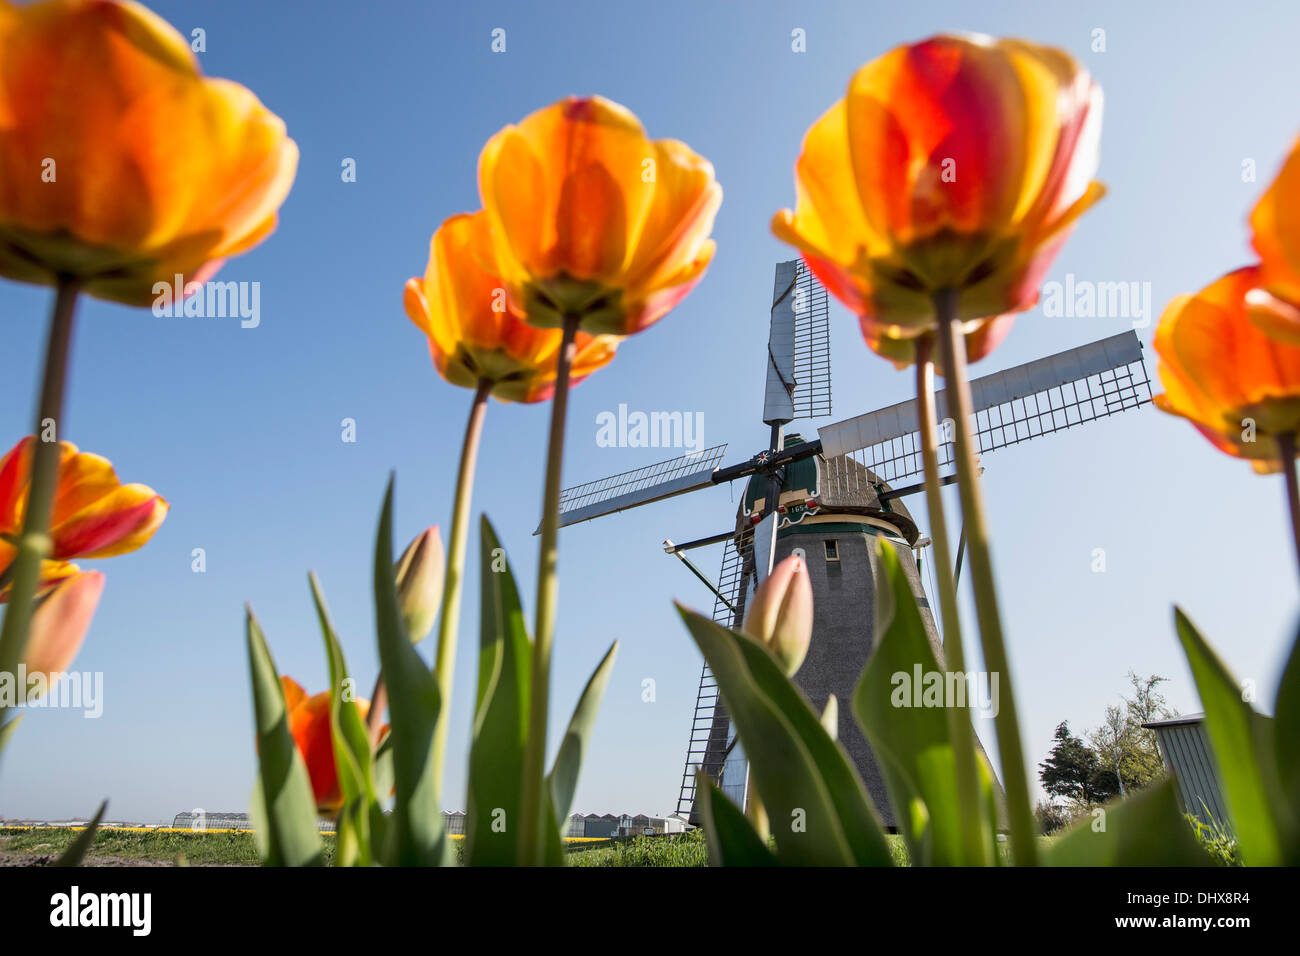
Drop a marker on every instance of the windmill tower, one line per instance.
(834, 497)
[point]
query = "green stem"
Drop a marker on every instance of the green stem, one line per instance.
(1286, 446)
(1024, 844)
(531, 846)
(968, 801)
(34, 542)
(445, 660)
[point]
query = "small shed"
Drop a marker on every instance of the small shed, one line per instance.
(1185, 749)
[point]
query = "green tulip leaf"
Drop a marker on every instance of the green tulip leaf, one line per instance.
(815, 800)
(912, 744)
(285, 799)
(78, 848)
(1243, 751)
(552, 841)
(731, 838)
(351, 739)
(1146, 829)
(415, 834)
(500, 713)
(1286, 742)
(563, 779)
(7, 730)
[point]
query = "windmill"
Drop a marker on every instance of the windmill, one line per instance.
(831, 498)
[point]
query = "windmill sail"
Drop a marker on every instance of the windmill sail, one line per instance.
(1011, 406)
(798, 347)
(664, 479)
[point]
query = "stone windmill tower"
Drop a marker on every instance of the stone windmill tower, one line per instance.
(836, 496)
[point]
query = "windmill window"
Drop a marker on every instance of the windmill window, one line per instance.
(832, 549)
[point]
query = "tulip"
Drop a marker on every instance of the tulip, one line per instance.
(94, 515)
(60, 623)
(1276, 225)
(121, 166)
(931, 200)
(781, 614)
(954, 165)
(309, 723)
(1223, 372)
(593, 227)
(419, 583)
(593, 221)
(473, 336)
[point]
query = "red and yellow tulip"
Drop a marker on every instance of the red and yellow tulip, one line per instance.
(94, 515)
(1223, 372)
(120, 164)
(953, 164)
(473, 335)
(592, 219)
(60, 623)
(309, 723)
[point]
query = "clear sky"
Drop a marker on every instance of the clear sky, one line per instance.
(241, 428)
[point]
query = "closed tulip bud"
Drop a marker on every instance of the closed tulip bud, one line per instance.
(781, 615)
(419, 583)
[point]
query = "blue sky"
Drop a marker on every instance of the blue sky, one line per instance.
(241, 428)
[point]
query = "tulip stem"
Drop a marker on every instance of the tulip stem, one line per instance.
(34, 543)
(1286, 445)
(1024, 845)
(448, 622)
(968, 802)
(530, 846)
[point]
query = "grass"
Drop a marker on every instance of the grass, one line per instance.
(157, 847)
(686, 849)
(43, 845)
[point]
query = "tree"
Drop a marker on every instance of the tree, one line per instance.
(1074, 772)
(1126, 749)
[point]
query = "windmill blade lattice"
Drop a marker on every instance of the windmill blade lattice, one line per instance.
(1047, 395)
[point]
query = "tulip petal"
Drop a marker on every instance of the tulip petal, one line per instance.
(60, 623)
(118, 523)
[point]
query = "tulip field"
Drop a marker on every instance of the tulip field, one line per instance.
(930, 192)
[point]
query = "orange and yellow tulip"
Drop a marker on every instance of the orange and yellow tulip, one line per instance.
(1276, 224)
(120, 164)
(94, 515)
(1238, 385)
(591, 219)
(957, 164)
(473, 335)
(309, 723)
(60, 623)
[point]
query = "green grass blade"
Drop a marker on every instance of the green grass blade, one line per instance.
(286, 800)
